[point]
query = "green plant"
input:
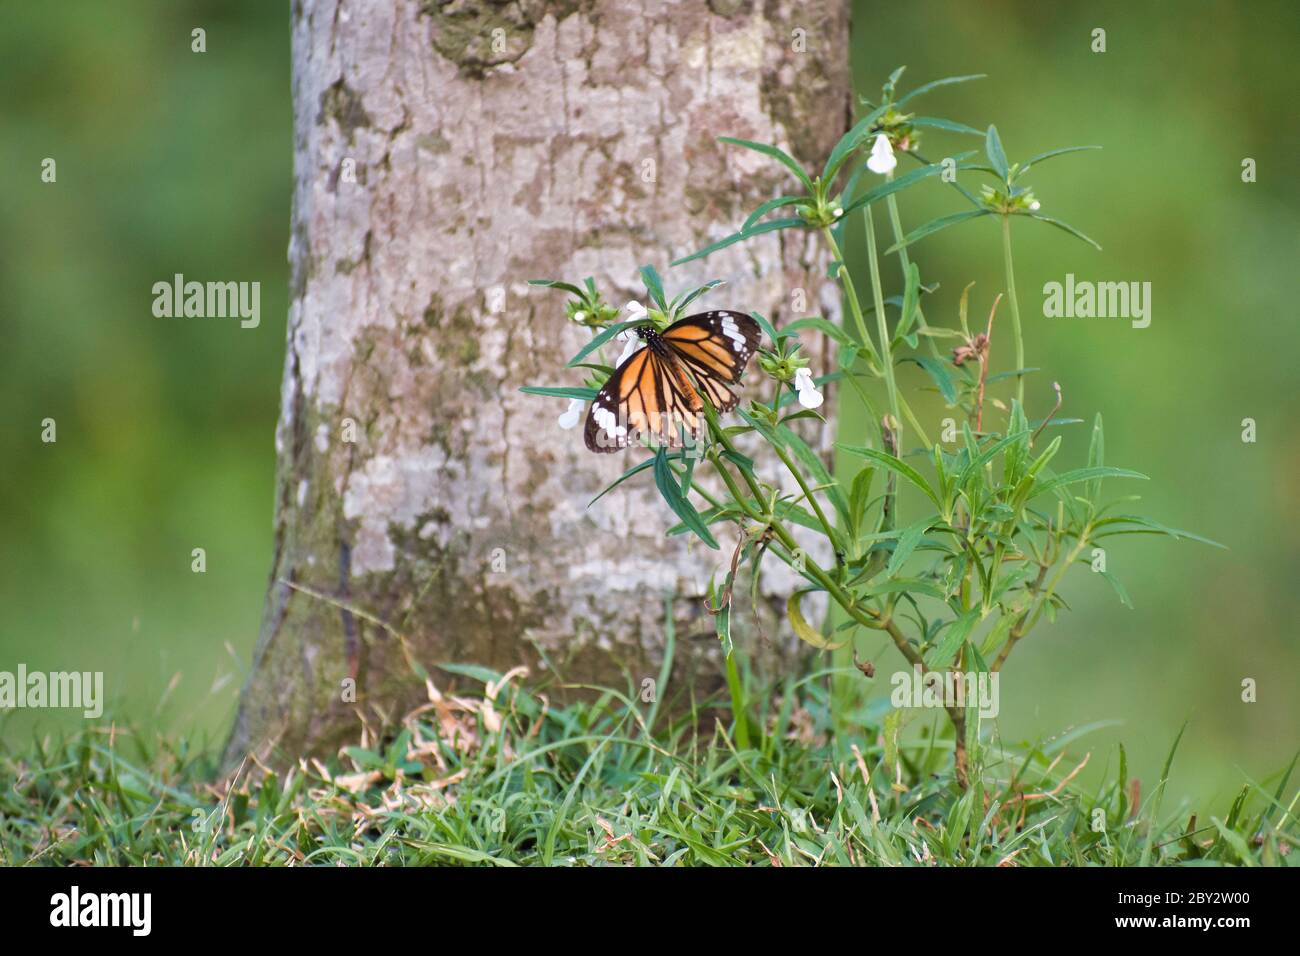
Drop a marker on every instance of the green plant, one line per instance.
(960, 581)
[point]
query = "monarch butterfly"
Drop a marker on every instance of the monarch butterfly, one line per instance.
(651, 393)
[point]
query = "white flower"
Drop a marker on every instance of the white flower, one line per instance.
(1034, 205)
(630, 344)
(579, 316)
(807, 392)
(882, 156)
(839, 211)
(635, 313)
(570, 418)
(811, 398)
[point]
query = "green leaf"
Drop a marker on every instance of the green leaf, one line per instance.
(688, 474)
(1147, 526)
(896, 465)
(935, 84)
(1024, 167)
(908, 586)
(770, 205)
(1096, 455)
(997, 634)
(935, 123)
(682, 301)
(907, 543)
(668, 488)
(859, 495)
(635, 469)
(803, 413)
(768, 329)
(934, 225)
(1158, 794)
(600, 339)
(1084, 474)
(557, 284)
(770, 226)
(1014, 373)
(586, 394)
(1237, 842)
(1065, 226)
(1114, 582)
(987, 455)
(911, 301)
(943, 654)
(789, 511)
(802, 629)
(997, 157)
(1041, 461)
(774, 152)
(892, 186)
(722, 621)
(821, 325)
(938, 372)
(655, 286)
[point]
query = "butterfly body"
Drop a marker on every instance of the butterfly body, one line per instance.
(660, 390)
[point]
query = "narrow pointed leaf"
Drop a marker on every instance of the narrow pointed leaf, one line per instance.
(1024, 167)
(557, 284)
(954, 635)
(891, 186)
(1066, 227)
(601, 338)
(997, 156)
(777, 203)
(782, 157)
(935, 84)
(1084, 474)
(770, 226)
(936, 123)
(934, 225)
(896, 465)
(586, 394)
(668, 488)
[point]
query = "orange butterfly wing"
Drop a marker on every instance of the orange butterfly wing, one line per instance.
(715, 347)
(650, 393)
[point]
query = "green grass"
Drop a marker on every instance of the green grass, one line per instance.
(499, 777)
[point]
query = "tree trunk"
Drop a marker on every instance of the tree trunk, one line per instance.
(446, 152)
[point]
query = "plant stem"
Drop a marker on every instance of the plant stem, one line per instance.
(855, 305)
(905, 260)
(803, 485)
(886, 358)
(1015, 310)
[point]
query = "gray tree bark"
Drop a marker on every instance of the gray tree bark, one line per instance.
(446, 152)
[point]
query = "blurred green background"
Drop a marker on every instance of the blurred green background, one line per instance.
(173, 161)
(167, 161)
